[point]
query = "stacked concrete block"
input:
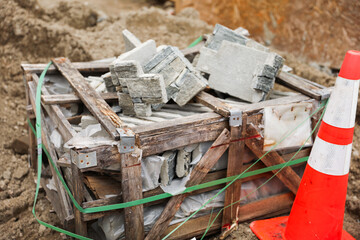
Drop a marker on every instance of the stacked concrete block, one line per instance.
(136, 90)
(182, 81)
(238, 66)
(108, 82)
(183, 160)
(167, 173)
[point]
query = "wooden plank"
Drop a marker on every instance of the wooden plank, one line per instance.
(102, 185)
(235, 167)
(131, 185)
(214, 103)
(93, 67)
(197, 175)
(92, 99)
(72, 98)
(266, 207)
(78, 192)
(287, 175)
(296, 83)
(255, 107)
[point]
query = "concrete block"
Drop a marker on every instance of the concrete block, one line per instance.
(125, 101)
(232, 70)
(167, 172)
(127, 68)
(183, 160)
(189, 85)
(130, 40)
(142, 109)
(149, 87)
(222, 33)
(142, 53)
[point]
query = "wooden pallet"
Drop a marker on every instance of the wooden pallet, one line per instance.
(207, 119)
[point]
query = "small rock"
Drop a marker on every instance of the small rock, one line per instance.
(2, 185)
(42, 229)
(7, 175)
(20, 173)
(21, 145)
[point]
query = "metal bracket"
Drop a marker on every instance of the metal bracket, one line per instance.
(235, 118)
(84, 160)
(127, 140)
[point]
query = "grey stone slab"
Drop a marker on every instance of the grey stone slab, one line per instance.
(275, 60)
(170, 70)
(148, 86)
(232, 69)
(130, 40)
(142, 53)
(125, 100)
(157, 106)
(200, 151)
(189, 84)
(142, 109)
(206, 60)
(136, 100)
(127, 69)
(167, 172)
(160, 56)
(222, 33)
(183, 160)
(253, 44)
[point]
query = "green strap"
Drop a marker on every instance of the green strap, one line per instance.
(194, 43)
(139, 201)
(39, 166)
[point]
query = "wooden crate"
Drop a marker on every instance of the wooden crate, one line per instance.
(207, 123)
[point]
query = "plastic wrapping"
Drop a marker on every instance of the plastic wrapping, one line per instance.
(280, 120)
(150, 172)
(201, 149)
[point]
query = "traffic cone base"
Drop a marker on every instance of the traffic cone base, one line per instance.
(274, 229)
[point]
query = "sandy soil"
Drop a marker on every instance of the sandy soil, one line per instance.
(34, 32)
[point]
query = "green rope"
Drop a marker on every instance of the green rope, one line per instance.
(194, 43)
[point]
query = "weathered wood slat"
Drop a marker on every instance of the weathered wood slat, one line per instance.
(131, 185)
(235, 167)
(197, 175)
(298, 84)
(94, 67)
(92, 99)
(78, 192)
(270, 206)
(214, 103)
(72, 98)
(287, 175)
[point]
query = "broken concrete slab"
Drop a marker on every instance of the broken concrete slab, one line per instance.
(183, 160)
(237, 81)
(142, 53)
(222, 33)
(189, 84)
(167, 173)
(149, 87)
(130, 40)
(108, 82)
(142, 109)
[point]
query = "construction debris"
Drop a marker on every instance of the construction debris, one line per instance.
(152, 125)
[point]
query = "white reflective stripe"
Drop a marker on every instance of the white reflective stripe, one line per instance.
(330, 158)
(341, 109)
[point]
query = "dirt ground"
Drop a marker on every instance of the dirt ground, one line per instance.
(34, 32)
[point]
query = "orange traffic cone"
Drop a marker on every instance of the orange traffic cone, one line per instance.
(318, 209)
